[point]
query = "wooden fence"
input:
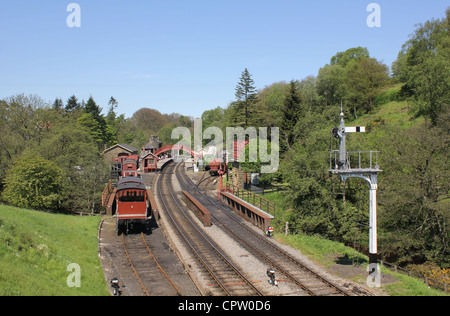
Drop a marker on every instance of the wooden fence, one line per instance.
(252, 198)
(429, 282)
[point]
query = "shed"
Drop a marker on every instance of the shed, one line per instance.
(119, 150)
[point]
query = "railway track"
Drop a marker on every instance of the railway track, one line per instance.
(152, 278)
(221, 276)
(309, 281)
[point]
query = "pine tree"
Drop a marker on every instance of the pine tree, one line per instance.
(58, 104)
(291, 111)
(92, 108)
(101, 132)
(72, 104)
(113, 104)
(245, 96)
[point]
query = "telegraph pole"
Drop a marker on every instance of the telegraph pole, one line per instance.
(346, 166)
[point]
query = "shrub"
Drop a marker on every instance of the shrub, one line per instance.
(34, 182)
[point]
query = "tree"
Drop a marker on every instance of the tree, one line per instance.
(353, 78)
(250, 159)
(304, 168)
(165, 134)
(308, 90)
(330, 84)
(102, 133)
(33, 134)
(34, 182)
(72, 104)
(20, 122)
(246, 97)
(422, 65)
(414, 199)
(213, 118)
(148, 120)
(271, 99)
(292, 112)
(58, 104)
(111, 116)
(71, 147)
(87, 121)
(365, 78)
(343, 58)
(92, 108)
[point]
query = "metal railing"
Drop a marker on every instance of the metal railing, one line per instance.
(355, 160)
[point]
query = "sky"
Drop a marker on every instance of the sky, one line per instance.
(187, 56)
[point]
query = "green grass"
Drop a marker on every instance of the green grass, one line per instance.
(37, 247)
(320, 249)
(324, 252)
(277, 197)
(388, 112)
(408, 286)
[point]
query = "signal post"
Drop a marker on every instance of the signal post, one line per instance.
(350, 165)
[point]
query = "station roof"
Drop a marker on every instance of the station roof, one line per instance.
(126, 147)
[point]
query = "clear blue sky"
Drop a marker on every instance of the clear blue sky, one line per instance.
(187, 56)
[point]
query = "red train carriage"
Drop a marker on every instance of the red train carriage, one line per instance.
(213, 167)
(130, 166)
(133, 205)
(149, 163)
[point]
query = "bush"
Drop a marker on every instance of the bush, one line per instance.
(34, 182)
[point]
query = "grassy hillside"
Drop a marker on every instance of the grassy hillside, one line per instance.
(37, 247)
(389, 113)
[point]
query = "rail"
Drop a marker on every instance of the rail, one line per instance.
(355, 160)
(135, 267)
(283, 262)
(219, 268)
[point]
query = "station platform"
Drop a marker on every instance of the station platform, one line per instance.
(248, 211)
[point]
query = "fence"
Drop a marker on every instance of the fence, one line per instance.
(429, 282)
(252, 198)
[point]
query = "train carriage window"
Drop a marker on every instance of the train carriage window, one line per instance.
(131, 196)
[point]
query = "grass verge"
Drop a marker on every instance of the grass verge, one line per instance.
(36, 249)
(335, 256)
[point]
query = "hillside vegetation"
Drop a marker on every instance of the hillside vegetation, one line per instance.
(407, 120)
(36, 249)
(413, 203)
